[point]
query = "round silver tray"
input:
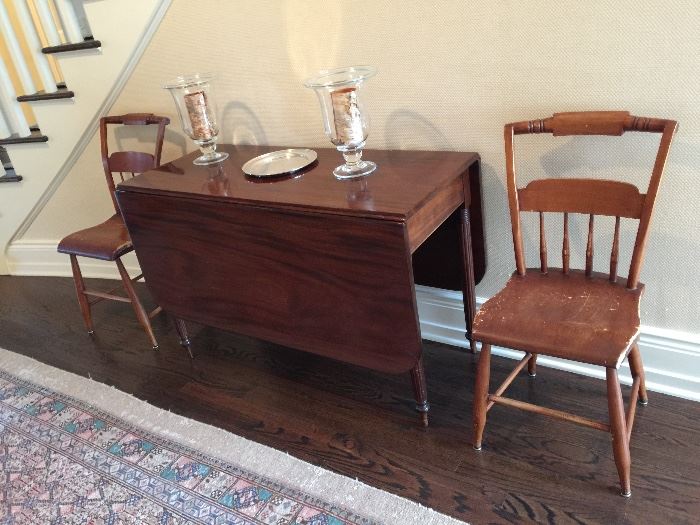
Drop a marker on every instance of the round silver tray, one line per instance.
(282, 162)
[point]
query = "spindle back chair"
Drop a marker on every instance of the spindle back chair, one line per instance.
(579, 315)
(110, 240)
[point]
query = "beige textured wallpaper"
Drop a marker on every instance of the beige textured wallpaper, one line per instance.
(450, 75)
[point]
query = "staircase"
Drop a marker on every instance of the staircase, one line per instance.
(8, 171)
(56, 81)
(32, 31)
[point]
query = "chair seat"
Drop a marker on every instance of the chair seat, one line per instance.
(586, 319)
(107, 241)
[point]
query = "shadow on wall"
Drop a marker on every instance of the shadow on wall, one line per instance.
(670, 267)
(662, 304)
(632, 150)
(143, 138)
(601, 155)
(500, 260)
(687, 154)
(629, 158)
(241, 126)
(408, 130)
(307, 52)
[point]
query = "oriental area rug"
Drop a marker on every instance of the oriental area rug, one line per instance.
(74, 451)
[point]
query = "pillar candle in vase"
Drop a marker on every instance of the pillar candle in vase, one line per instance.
(196, 104)
(346, 116)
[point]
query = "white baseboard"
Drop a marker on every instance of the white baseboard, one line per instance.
(40, 258)
(671, 358)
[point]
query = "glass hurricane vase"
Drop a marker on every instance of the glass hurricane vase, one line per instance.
(196, 106)
(345, 120)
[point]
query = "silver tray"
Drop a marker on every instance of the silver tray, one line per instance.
(282, 162)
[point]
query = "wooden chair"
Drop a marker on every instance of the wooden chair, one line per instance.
(110, 240)
(579, 315)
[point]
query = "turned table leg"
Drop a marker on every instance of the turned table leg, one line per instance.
(185, 341)
(420, 391)
(468, 291)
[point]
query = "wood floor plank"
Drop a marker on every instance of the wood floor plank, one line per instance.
(362, 424)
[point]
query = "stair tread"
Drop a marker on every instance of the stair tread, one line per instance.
(64, 48)
(36, 136)
(61, 93)
(10, 176)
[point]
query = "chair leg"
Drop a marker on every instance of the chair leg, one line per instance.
(532, 366)
(618, 429)
(185, 341)
(141, 313)
(80, 290)
(420, 391)
(635, 361)
(481, 392)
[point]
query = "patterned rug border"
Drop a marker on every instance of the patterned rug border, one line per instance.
(383, 507)
(267, 483)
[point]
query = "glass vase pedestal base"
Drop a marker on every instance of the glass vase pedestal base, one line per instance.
(209, 153)
(353, 171)
(210, 158)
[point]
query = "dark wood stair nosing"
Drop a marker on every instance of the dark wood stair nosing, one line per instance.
(11, 178)
(61, 93)
(35, 137)
(65, 48)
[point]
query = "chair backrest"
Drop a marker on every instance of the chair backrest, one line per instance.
(130, 162)
(587, 196)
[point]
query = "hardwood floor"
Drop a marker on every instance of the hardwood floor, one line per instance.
(362, 424)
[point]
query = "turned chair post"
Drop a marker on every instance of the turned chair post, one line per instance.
(543, 246)
(618, 430)
(635, 362)
(589, 247)
(140, 311)
(481, 394)
(565, 245)
(615, 251)
(80, 290)
(532, 366)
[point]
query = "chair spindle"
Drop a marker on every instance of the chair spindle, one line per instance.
(615, 251)
(565, 245)
(543, 246)
(589, 247)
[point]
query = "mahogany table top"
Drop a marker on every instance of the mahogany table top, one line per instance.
(402, 183)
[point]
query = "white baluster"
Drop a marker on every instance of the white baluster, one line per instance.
(8, 33)
(42, 63)
(8, 100)
(4, 127)
(70, 21)
(47, 22)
